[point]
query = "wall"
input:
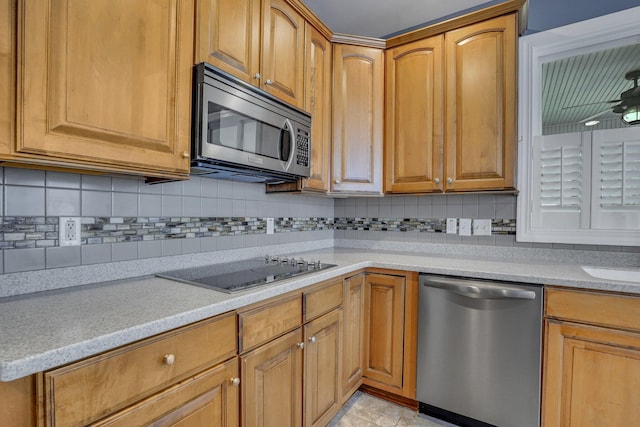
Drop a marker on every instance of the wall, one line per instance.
(547, 14)
(401, 214)
(126, 219)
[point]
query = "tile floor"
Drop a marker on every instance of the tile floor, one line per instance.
(364, 410)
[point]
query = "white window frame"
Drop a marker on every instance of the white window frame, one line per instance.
(604, 32)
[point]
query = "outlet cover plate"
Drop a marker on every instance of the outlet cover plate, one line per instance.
(69, 231)
(452, 225)
(270, 226)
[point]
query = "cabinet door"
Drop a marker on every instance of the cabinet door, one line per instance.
(414, 112)
(480, 105)
(7, 74)
(209, 399)
(283, 52)
(384, 328)
(591, 376)
(353, 337)
(228, 36)
(271, 378)
(317, 73)
(106, 84)
(322, 362)
(357, 119)
(18, 402)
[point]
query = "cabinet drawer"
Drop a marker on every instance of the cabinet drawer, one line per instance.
(322, 299)
(210, 398)
(268, 321)
(621, 311)
(90, 389)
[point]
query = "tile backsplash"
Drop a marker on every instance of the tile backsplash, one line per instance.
(126, 219)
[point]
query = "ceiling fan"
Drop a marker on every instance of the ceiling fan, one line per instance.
(629, 102)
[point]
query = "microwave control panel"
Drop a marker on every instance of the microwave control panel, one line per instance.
(302, 148)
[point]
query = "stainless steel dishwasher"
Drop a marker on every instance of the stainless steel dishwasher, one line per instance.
(479, 351)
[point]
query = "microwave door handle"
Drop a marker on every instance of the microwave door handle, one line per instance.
(284, 146)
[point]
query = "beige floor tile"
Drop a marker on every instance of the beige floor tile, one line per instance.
(348, 420)
(376, 411)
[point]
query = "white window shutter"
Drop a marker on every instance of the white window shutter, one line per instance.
(616, 175)
(561, 181)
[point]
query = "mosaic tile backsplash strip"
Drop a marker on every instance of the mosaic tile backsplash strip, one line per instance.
(42, 232)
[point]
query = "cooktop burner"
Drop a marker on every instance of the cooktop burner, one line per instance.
(243, 275)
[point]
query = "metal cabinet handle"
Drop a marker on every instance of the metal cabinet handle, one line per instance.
(267, 82)
(436, 180)
(235, 381)
(169, 359)
(477, 289)
(312, 339)
(449, 180)
(257, 76)
(300, 345)
(336, 181)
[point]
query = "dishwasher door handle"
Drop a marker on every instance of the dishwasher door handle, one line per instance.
(477, 289)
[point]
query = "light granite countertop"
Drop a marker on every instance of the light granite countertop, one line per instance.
(43, 330)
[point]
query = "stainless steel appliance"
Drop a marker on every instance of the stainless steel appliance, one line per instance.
(243, 275)
(243, 133)
(479, 351)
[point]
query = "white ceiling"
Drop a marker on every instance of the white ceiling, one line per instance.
(379, 18)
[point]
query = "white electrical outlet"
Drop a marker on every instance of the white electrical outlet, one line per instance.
(69, 231)
(482, 227)
(465, 226)
(270, 226)
(452, 226)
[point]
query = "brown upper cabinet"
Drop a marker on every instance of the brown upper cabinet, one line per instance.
(414, 117)
(318, 66)
(450, 110)
(104, 85)
(358, 102)
(261, 43)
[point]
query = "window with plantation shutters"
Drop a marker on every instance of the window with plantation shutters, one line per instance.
(584, 188)
(616, 179)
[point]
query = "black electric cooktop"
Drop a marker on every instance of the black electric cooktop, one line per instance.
(243, 275)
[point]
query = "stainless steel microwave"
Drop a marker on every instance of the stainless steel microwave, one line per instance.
(242, 133)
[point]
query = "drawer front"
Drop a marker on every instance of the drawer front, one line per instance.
(211, 398)
(621, 311)
(266, 322)
(322, 300)
(90, 389)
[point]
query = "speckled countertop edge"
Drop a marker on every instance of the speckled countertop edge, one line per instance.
(44, 330)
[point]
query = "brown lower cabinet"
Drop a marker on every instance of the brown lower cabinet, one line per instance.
(390, 321)
(272, 383)
(290, 361)
(591, 359)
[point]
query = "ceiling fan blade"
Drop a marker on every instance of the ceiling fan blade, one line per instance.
(611, 101)
(595, 115)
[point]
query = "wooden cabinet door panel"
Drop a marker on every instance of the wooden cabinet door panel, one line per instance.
(318, 64)
(353, 341)
(107, 82)
(591, 376)
(357, 119)
(384, 328)
(271, 378)
(414, 114)
(283, 52)
(480, 100)
(323, 391)
(7, 74)
(228, 36)
(208, 399)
